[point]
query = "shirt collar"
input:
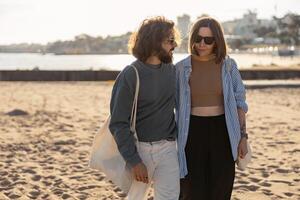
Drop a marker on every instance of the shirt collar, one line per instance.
(187, 63)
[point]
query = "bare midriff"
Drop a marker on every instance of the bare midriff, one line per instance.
(208, 111)
(206, 87)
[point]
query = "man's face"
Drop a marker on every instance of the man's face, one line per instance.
(168, 46)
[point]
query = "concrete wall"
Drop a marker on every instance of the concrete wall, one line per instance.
(249, 74)
(270, 74)
(58, 75)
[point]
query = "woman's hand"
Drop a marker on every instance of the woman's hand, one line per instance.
(242, 148)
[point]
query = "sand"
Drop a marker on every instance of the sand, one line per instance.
(44, 150)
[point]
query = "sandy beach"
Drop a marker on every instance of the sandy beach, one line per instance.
(46, 131)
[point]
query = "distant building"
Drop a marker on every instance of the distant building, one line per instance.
(246, 26)
(229, 27)
(289, 25)
(183, 24)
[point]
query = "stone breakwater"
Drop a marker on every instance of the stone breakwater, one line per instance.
(247, 74)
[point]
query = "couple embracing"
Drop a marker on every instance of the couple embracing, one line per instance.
(190, 153)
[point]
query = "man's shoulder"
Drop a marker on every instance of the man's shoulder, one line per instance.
(128, 72)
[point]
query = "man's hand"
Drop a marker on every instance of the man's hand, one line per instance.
(140, 173)
(242, 148)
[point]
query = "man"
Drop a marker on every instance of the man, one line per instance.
(154, 158)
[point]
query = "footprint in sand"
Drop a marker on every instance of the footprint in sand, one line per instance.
(267, 192)
(271, 145)
(58, 192)
(281, 181)
(263, 128)
(50, 177)
(117, 190)
(289, 194)
(259, 153)
(66, 196)
(17, 112)
(88, 187)
(46, 183)
(83, 158)
(284, 171)
(83, 195)
(65, 142)
(76, 177)
(36, 178)
(252, 188)
(13, 196)
(48, 167)
(57, 183)
(20, 182)
(265, 184)
(3, 173)
(294, 151)
(281, 162)
(34, 194)
(5, 182)
(265, 174)
(285, 142)
(5, 195)
(255, 180)
(242, 182)
(30, 171)
(45, 196)
(273, 166)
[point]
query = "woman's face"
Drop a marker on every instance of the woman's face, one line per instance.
(204, 43)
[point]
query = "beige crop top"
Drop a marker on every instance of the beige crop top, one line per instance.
(206, 82)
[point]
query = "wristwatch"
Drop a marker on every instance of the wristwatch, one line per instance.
(244, 135)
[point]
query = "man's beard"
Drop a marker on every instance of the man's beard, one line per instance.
(165, 56)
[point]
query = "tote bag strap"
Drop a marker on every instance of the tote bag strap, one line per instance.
(134, 106)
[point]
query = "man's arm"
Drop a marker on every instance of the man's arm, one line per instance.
(120, 109)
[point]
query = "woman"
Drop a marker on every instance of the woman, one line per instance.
(210, 113)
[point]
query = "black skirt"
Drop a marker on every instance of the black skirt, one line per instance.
(211, 168)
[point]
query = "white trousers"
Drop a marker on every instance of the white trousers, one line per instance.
(161, 161)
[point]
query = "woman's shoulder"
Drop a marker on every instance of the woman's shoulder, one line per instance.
(230, 63)
(183, 63)
(230, 60)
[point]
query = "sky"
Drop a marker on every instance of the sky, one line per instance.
(42, 21)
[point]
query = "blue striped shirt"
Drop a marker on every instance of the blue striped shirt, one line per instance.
(234, 97)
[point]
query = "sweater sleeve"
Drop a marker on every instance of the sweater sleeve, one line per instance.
(238, 87)
(120, 109)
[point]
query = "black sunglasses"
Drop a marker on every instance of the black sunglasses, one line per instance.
(207, 40)
(172, 41)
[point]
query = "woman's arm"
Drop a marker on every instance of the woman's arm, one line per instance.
(242, 120)
(238, 87)
(242, 107)
(242, 148)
